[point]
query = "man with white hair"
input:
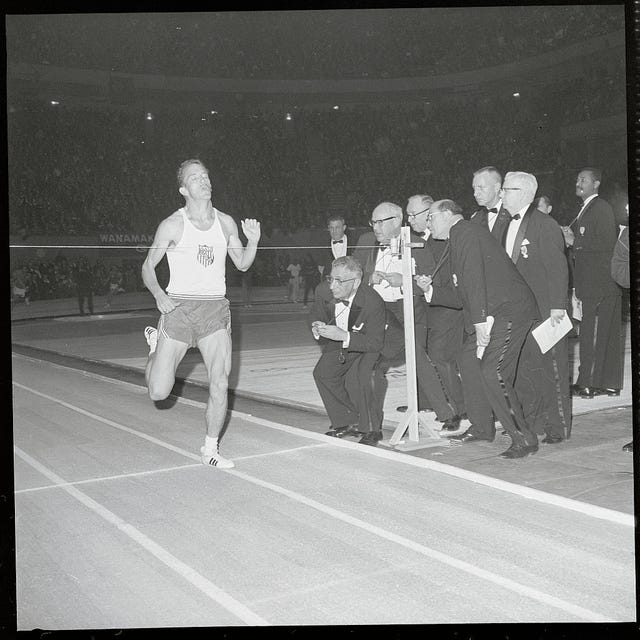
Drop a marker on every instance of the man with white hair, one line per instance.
(535, 244)
(383, 271)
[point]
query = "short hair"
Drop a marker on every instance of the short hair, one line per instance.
(336, 216)
(349, 263)
(527, 180)
(448, 205)
(491, 170)
(426, 199)
(392, 208)
(596, 174)
(183, 167)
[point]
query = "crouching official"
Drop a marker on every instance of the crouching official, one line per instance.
(350, 327)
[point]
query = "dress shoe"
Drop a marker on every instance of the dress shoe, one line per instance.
(372, 438)
(403, 408)
(551, 439)
(341, 432)
(609, 392)
(585, 392)
(469, 437)
(452, 424)
(628, 446)
(519, 450)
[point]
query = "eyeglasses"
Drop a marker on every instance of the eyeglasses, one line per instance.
(373, 223)
(511, 189)
(331, 280)
(413, 215)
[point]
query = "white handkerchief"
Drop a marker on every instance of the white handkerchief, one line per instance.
(576, 307)
(546, 335)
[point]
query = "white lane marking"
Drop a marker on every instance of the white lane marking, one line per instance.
(410, 544)
(530, 493)
(103, 478)
(279, 451)
(501, 581)
(185, 571)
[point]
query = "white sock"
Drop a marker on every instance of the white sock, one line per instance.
(210, 444)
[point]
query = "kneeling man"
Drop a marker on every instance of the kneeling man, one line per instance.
(350, 328)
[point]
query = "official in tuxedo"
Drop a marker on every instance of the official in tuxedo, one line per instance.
(350, 328)
(499, 310)
(445, 326)
(534, 242)
(383, 272)
(486, 185)
(594, 235)
(338, 248)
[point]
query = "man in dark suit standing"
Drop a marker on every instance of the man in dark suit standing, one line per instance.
(486, 191)
(445, 326)
(594, 235)
(534, 242)
(383, 272)
(499, 310)
(350, 328)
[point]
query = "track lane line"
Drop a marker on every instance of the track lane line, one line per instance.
(186, 572)
(492, 577)
(529, 493)
(120, 476)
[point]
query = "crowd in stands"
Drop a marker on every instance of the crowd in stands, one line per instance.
(307, 44)
(81, 171)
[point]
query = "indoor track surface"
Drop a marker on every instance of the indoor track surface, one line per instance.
(119, 525)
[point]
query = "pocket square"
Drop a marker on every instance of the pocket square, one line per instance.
(525, 241)
(357, 327)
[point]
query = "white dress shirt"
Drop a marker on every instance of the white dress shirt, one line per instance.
(493, 216)
(339, 249)
(388, 263)
(512, 230)
(342, 317)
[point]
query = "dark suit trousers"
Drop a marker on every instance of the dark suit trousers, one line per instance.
(542, 385)
(444, 344)
(498, 367)
(430, 386)
(477, 403)
(601, 356)
(346, 388)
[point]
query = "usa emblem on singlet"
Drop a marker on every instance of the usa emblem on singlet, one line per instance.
(205, 255)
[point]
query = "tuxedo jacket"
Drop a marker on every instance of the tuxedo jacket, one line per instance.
(366, 321)
(538, 253)
(481, 216)
(485, 280)
(366, 252)
(595, 238)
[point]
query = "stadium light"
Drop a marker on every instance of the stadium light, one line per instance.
(336, 107)
(516, 94)
(54, 103)
(149, 115)
(288, 117)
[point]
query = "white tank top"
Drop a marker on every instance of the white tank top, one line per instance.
(197, 262)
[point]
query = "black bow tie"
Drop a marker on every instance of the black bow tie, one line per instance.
(492, 210)
(344, 302)
(337, 241)
(516, 217)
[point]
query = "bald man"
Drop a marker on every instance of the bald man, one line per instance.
(383, 271)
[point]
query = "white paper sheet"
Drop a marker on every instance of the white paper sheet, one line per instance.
(546, 335)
